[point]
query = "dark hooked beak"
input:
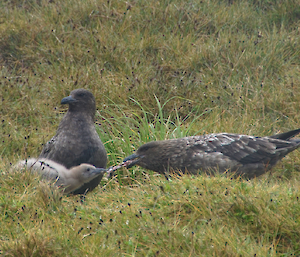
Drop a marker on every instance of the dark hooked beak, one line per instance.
(68, 100)
(132, 160)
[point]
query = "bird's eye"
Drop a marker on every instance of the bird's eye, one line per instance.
(81, 94)
(88, 169)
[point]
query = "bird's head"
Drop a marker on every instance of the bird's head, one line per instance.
(86, 172)
(146, 150)
(80, 100)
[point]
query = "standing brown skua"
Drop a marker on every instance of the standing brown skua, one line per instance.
(76, 140)
(245, 155)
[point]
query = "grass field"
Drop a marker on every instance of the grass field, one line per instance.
(158, 70)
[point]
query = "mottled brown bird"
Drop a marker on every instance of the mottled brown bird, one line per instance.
(246, 155)
(69, 179)
(76, 140)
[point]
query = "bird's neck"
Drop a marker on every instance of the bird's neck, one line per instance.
(81, 113)
(71, 120)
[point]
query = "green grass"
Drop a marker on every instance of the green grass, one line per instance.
(158, 70)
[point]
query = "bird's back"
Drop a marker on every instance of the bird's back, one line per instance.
(48, 169)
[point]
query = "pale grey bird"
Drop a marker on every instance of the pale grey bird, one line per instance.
(76, 140)
(245, 155)
(69, 179)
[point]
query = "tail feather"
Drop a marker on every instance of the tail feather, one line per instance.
(287, 135)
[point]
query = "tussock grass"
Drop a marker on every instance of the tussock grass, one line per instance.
(158, 70)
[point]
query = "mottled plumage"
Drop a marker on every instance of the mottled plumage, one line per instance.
(69, 179)
(246, 155)
(76, 140)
